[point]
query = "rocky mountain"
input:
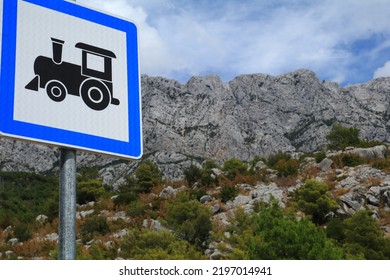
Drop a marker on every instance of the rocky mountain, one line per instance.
(251, 115)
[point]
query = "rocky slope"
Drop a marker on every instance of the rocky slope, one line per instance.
(355, 188)
(251, 115)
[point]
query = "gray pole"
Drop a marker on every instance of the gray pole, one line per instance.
(67, 215)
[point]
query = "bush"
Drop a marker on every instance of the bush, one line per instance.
(23, 232)
(94, 225)
(190, 219)
(352, 160)
(320, 156)
(315, 200)
(192, 174)
(348, 159)
(147, 176)
(287, 168)
(125, 198)
(274, 159)
(275, 235)
(89, 190)
(341, 137)
(228, 193)
(135, 208)
(234, 166)
(363, 236)
(151, 245)
(87, 173)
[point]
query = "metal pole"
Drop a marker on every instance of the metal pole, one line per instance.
(67, 207)
(67, 215)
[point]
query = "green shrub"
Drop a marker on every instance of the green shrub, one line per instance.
(341, 137)
(23, 232)
(87, 173)
(94, 225)
(24, 196)
(162, 245)
(352, 160)
(125, 198)
(348, 159)
(89, 190)
(228, 193)
(274, 159)
(363, 236)
(147, 176)
(315, 200)
(320, 156)
(192, 174)
(287, 168)
(135, 208)
(234, 166)
(271, 234)
(190, 219)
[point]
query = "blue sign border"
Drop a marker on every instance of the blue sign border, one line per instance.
(60, 137)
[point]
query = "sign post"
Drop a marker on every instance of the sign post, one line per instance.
(67, 205)
(70, 79)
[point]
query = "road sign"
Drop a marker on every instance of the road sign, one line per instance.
(70, 77)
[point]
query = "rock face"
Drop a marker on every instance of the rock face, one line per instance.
(251, 115)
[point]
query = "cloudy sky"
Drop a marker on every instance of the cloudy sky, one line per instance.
(346, 41)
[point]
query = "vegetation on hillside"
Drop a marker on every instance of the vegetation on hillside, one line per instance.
(122, 223)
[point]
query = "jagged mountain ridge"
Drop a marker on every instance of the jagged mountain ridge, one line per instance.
(257, 114)
(251, 115)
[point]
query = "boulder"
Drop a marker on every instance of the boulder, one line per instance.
(53, 237)
(152, 224)
(167, 192)
(41, 219)
(206, 198)
(13, 241)
(370, 153)
(325, 165)
(264, 193)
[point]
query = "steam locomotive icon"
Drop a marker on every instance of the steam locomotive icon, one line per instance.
(92, 80)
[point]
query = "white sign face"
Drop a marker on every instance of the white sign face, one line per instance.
(75, 77)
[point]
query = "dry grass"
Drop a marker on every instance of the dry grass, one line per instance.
(339, 192)
(34, 249)
(311, 173)
(285, 182)
(372, 181)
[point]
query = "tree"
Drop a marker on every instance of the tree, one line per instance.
(315, 200)
(341, 137)
(363, 236)
(147, 176)
(89, 190)
(190, 219)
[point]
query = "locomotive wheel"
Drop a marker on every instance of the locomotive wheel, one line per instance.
(56, 90)
(95, 94)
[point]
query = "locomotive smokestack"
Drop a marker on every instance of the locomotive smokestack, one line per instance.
(57, 50)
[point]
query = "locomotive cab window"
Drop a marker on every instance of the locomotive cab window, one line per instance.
(95, 62)
(96, 66)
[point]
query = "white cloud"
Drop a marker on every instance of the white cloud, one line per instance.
(232, 37)
(154, 54)
(383, 71)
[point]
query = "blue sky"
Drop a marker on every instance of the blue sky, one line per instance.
(346, 41)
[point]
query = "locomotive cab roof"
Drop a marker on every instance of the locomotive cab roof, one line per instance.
(95, 50)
